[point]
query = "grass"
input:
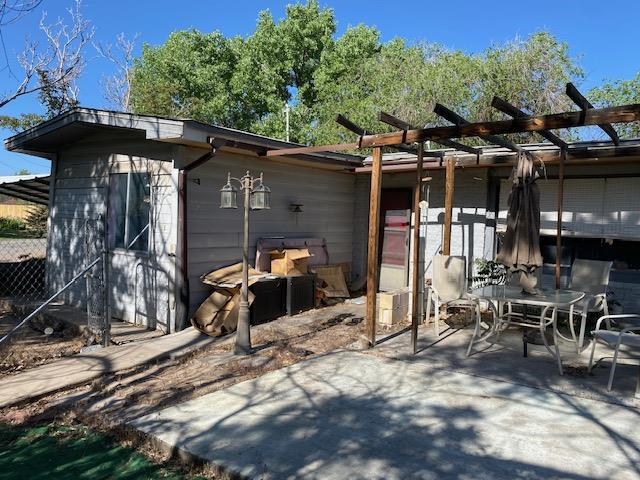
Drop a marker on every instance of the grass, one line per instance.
(55, 452)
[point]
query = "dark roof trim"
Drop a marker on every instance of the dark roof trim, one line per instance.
(181, 132)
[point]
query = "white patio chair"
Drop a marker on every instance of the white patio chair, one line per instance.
(449, 287)
(592, 278)
(624, 339)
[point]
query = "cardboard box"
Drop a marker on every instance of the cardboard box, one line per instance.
(294, 261)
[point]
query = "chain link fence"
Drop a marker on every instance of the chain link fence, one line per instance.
(95, 238)
(31, 277)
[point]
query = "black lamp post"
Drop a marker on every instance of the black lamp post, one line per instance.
(256, 197)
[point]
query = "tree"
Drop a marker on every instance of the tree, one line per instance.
(621, 92)
(50, 71)
(188, 76)
(245, 83)
(117, 87)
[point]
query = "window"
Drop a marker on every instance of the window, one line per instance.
(129, 200)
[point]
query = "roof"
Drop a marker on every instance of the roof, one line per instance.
(32, 188)
(49, 137)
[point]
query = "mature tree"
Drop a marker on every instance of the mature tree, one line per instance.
(188, 76)
(237, 82)
(53, 69)
(621, 92)
(117, 87)
(245, 82)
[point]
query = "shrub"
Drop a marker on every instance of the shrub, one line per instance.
(11, 225)
(36, 221)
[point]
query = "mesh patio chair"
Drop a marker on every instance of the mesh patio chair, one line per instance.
(625, 339)
(592, 278)
(449, 287)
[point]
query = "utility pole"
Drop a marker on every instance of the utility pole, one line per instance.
(286, 120)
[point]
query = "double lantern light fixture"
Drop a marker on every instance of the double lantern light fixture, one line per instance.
(256, 197)
(259, 194)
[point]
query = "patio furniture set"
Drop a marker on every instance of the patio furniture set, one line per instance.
(511, 306)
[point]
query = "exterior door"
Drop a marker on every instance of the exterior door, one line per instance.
(395, 229)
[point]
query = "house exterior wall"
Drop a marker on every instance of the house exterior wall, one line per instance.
(141, 283)
(215, 235)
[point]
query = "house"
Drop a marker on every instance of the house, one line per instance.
(155, 183)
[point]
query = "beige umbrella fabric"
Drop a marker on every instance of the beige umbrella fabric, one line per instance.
(520, 250)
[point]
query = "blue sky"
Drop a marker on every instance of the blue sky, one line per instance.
(602, 36)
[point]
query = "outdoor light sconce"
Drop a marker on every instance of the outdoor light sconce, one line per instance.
(256, 197)
(296, 207)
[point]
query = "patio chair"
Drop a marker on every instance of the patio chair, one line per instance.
(626, 339)
(449, 287)
(592, 278)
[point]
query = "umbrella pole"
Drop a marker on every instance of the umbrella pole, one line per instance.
(559, 222)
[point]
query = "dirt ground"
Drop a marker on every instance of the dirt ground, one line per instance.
(109, 402)
(29, 347)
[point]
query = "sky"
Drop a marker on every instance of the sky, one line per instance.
(602, 36)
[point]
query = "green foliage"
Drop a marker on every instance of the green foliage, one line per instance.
(621, 92)
(488, 272)
(244, 83)
(20, 123)
(11, 226)
(36, 221)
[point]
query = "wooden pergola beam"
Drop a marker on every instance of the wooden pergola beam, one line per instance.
(506, 107)
(580, 100)
(453, 117)
(537, 123)
(402, 125)
(349, 125)
(595, 116)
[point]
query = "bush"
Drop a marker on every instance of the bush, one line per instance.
(36, 221)
(10, 225)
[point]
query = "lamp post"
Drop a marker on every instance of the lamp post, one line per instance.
(256, 197)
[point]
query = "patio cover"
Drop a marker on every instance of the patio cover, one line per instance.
(32, 188)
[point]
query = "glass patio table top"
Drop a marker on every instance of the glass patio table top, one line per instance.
(549, 300)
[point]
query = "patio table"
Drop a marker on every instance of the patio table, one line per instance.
(547, 299)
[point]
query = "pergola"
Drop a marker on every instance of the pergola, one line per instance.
(407, 137)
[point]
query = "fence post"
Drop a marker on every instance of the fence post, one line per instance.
(106, 325)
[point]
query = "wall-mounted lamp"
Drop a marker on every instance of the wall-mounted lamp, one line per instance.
(295, 207)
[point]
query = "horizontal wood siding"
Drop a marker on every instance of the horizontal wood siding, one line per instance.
(81, 178)
(215, 235)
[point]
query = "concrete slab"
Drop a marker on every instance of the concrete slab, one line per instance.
(354, 415)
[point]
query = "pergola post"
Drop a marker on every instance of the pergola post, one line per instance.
(416, 310)
(372, 246)
(448, 206)
(563, 156)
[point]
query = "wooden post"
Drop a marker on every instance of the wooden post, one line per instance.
(563, 157)
(372, 245)
(416, 311)
(448, 206)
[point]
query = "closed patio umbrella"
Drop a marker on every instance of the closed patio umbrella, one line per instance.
(520, 249)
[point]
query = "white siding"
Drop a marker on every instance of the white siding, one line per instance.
(80, 194)
(215, 235)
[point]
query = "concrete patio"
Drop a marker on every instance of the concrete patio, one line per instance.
(386, 413)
